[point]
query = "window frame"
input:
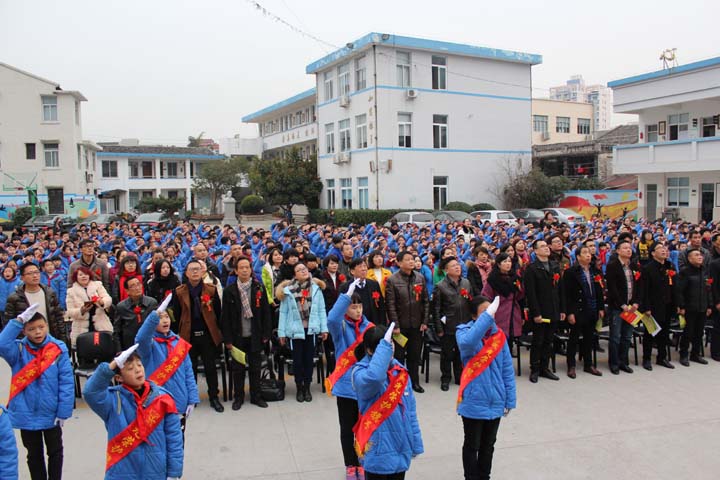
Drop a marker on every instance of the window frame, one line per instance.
(328, 90)
(538, 121)
(330, 138)
(678, 187)
(361, 130)
(562, 126)
(49, 109)
(584, 126)
(343, 76)
(439, 72)
(651, 129)
(108, 172)
(331, 194)
(678, 121)
(363, 187)
(361, 73)
(403, 70)
(48, 149)
(30, 151)
(440, 191)
(404, 141)
(438, 128)
(345, 144)
(346, 193)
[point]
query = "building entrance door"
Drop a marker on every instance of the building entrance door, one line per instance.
(56, 202)
(707, 201)
(651, 201)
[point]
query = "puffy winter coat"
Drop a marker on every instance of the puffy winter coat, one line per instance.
(49, 397)
(158, 458)
(76, 298)
(58, 283)
(17, 303)
(182, 384)
(343, 335)
(8, 448)
(398, 438)
(491, 392)
(7, 287)
(290, 325)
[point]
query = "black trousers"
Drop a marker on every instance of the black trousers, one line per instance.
(348, 413)
(478, 447)
(410, 355)
(254, 360)
(661, 340)
(33, 442)
(693, 333)
(715, 337)
(303, 353)
(449, 359)
(204, 349)
(542, 345)
(584, 327)
(329, 348)
(380, 476)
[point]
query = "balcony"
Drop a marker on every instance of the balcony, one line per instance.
(695, 155)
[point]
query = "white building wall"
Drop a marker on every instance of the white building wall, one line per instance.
(240, 146)
(484, 131)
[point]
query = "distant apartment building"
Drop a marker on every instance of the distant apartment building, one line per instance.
(129, 172)
(42, 147)
(599, 96)
(289, 124)
(559, 121)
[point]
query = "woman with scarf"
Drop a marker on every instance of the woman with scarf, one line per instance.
(478, 271)
(163, 282)
(347, 325)
(87, 302)
(129, 268)
(302, 318)
(503, 282)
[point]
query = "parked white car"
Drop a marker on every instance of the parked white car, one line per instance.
(495, 216)
(565, 215)
(421, 219)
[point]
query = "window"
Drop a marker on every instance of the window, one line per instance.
(363, 193)
(678, 191)
(583, 126)
(540, 123)
(328, 76)
(49, 105)
(440, 131)
(439, 72)
(361, 130)
(30, 151)
(678, 126)
(133, 199)
(360, 73)
(172, 170)
(346, 192)
(330, 186)
(134, 170)
(709, 128)
(651, 133)
(109, 169)
(52, 155)
(440, 192)
(147, 169)
(77, 113)
(402, 59)
(405, 130)
(172, 194)
(79, 156)
(330, 138)
(344, 79)
(562, 124)
(344, 131)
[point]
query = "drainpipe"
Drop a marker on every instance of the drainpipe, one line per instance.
(377, 152)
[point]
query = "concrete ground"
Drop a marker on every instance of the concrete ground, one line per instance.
(663, 424)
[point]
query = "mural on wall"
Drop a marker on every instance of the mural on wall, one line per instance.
(612, 203)
(82, 205)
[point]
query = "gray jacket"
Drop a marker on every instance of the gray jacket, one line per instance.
(125, 323)
(449, 303)
(406, 299)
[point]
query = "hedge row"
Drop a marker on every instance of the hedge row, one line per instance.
(346, 217)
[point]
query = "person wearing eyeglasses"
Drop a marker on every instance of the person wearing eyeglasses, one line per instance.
(32, 291)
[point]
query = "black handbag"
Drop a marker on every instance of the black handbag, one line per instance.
(271, 389)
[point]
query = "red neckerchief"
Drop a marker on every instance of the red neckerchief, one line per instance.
(167, 341)
(140, 410)
(355, 324)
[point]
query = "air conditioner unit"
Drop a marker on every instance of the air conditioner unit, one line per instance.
(411, 93)
(342, 157)
(345, 101)
(546, 135)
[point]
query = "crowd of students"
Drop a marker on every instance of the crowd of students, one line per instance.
(366, 296)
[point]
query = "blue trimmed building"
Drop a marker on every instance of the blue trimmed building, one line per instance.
(677, 157)
(129, 172)
(404, 122)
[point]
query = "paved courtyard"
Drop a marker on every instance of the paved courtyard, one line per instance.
(663, 424)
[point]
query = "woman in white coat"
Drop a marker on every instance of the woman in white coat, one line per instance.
(87, 300)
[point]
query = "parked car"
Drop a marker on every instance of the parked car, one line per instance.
(103, 219)
(154, 219)
(421, 219)
(45, 222)
(452, 216)
(495, 216)
(530, 216)
(565, 215)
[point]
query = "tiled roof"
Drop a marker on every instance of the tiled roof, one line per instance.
(160, 150)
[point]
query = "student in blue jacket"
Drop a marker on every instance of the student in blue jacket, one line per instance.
(490, 395)
(38, 408)
(346, 324)
(397, 439)
(138, 448)
(8, 448)
(9, 281)
(156, 341)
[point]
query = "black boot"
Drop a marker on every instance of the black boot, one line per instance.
(534, 374)
(216, 405)
(308, 395)
(300, 395)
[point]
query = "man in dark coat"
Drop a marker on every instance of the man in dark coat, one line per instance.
(246, 322)
(715, 338)
(584, 301)
(621, 278)
(369, 290)
(542, 292)
(693, 297)
(131, 313)
(656, 299)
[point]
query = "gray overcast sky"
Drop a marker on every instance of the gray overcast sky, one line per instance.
(161, 70)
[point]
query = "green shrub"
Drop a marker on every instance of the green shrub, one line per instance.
(252, 204)
(482, 206)
(23, 214)
(346, 217)
(461, 206)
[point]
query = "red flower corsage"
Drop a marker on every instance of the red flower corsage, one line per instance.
(556, 279)
(709, 282)
(418, 290)
(637, 275)
(599, 280)
(98, 272)
(465, 294)
(258, 295)
(138, 313)
(94, 299)
(305, 294)
(341, 278)
(376, 297)
(670, 274)
(207, 301)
